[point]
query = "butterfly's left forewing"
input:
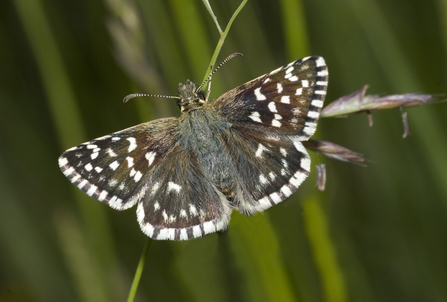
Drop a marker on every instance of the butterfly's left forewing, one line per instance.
(287, 100)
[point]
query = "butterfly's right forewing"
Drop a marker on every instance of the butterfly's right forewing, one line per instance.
(114, 168)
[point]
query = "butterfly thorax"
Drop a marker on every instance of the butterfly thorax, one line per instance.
(204, 133)
(190, 99)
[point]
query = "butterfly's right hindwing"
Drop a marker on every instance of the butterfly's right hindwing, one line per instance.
(181, 203)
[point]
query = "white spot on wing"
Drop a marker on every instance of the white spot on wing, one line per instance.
(193, 210)
(286, 191)
(62, 161)
(138, 176)
(94, 155)
(285, 164)
(320, 62)
(155, 188)
(276, 123)
(298, 179)
(88, 167)
(259, 95)
(209, 227)
(98, 169)
(322, 73)
(129, 161)
(133, 144)
(92, 146)
(122, 186)
(111, 153)
(305, 164)
(114, 165)
(196, 231)
(293, 79)
(92, 190)
(113, 182)
(285, 99)
(150, 156)
(156, 206)
(317, 103)
(261, 149)
(296, 111)
(305, 83)
(272, 107)
(173, 187)
(263, 179)
(82, 183)
(103, 195)
(76, 178)
(299, 91)
(279, 87)
(275, 197)
(255, 116)
(313, 114)
(166, 234)
(264, 203)
(183, 234)
(68, 171)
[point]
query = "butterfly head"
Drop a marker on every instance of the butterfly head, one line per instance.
(190, 98)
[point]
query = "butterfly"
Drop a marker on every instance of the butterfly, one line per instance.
(187, 174)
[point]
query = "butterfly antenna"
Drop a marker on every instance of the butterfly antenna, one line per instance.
(236, 54)
(135, 95)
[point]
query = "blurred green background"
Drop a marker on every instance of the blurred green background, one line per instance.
(376, 234)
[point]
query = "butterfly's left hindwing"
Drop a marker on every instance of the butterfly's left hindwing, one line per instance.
(270, 168)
